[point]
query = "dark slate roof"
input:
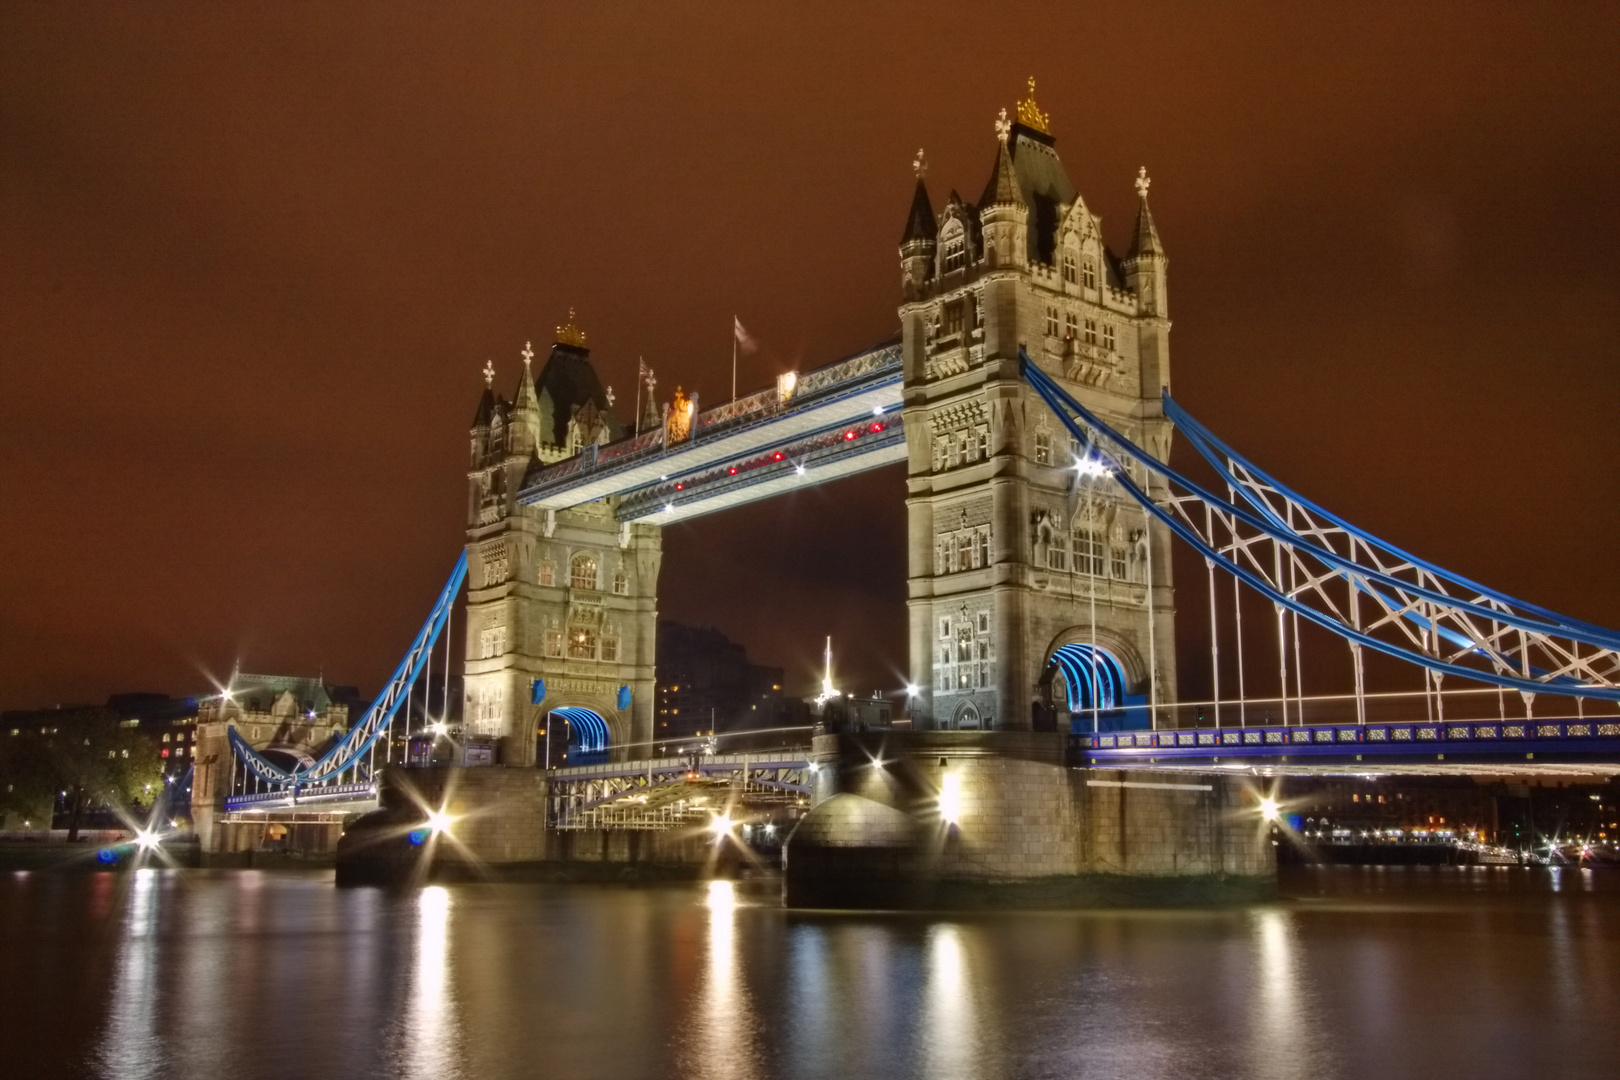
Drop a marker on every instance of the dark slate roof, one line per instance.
(1028, 161)
(920, 223)
(1003, 186)
(486, 409)
(569, 380)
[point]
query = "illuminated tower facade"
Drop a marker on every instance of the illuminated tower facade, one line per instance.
(1030, 601)
(561, 605)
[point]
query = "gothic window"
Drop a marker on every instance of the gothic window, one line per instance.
(955, 450)
(1116, 562)
(1088, 552)
(984, 622)
(1043, 448)
(1091, 331)
(492, 642)
(610, 648)
(582, 571)
(953, 317)
(1108, 336)
(1056, 557)
(984, 442)
(964, 551)
(496, 564)
(981, 548)
(1051, 321)
(554, 643)
(581, 643)
(1069, 274)
(1090, 272)
(954, 251)
(621, 581)
(945, 628)
(548, 573)
(967, 444)
(1071, 325)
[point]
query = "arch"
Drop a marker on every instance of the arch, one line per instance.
(966, 717)
(1093, 677)
(582, 571)
(588, 734)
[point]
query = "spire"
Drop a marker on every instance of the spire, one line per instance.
(1003, 188)
(921, 223)
(1146, 240)
(486, 404)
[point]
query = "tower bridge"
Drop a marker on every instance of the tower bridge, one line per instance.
(1029, 395)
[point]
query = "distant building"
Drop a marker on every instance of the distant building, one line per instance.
(706, 684)
(290, 721)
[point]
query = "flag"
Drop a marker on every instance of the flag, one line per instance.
(647, 374)
(745, 341)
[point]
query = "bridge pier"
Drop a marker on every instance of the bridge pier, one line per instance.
(998, 819)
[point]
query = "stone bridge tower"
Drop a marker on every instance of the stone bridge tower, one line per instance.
(564, 599)
(1018, 558)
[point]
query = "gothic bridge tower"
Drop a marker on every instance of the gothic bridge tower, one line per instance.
(1029, 594)
(561, 600)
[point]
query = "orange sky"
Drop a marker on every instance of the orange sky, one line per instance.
(255, 256)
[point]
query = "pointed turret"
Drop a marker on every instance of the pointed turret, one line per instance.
(1146, 262)
(921, 226)
(919, 242)
(1003, 210)
(525, 431)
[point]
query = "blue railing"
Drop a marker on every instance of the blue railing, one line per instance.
(301, 796)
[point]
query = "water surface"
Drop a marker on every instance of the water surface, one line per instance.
(1361, 972)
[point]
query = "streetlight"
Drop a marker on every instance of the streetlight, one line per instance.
(438, 822)
(1268, 809)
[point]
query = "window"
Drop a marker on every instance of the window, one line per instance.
(953, 318)
(981, 548)
(1051, 322)
(955, 252)
(964, 551)
(984, 442)
(984, 628)
(548, 573)
(610, 648)
(1043, 448)
(1088, 552)
(582, 571)
(1069, 273)
(495, 564)
(1091, 274)
(1116, 562)
(1108, 336)
(165, 736)
(554, 643)
(492, 642)
(621, 581)
(1091, 331)
(1056, 557)
(581, 644)
(1071, 325)
(945, 628)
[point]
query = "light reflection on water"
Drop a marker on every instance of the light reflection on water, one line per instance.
(1390, 974)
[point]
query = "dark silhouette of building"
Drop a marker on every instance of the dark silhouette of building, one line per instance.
(706, 685)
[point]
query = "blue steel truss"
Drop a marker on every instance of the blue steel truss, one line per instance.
(1416, 614)
(359, 740)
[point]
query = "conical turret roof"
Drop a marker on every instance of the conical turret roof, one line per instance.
(1146, 240)
(920, 223)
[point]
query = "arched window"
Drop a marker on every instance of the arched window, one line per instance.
(582, 571)
(581, 643)
(621, 581)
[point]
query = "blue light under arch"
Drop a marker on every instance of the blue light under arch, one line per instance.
(1091, 671)
(587, 732)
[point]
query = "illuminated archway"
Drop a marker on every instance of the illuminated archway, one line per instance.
(588, 734)
(1093, 678)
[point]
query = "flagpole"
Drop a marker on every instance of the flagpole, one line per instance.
(734, 324)
(642, 361)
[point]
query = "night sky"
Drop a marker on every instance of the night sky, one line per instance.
(254, 256)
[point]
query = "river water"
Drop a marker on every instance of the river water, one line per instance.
(1357, 972)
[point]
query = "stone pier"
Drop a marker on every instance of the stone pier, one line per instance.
(1028, 830)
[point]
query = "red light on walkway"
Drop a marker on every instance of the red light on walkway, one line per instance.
(732, 470)
(777, 456)
(849, 435)
(680, 487)
(877, 427)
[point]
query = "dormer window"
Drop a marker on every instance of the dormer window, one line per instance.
(1070, 275)
(955, 252)
(1090, 271)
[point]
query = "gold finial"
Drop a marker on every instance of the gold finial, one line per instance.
(1029, 113)
(1003, 126)
(1142, 181)
(527, 353)
(569, 334)
(920, 164)
(489, 373)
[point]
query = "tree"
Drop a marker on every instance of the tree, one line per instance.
(87, 755)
